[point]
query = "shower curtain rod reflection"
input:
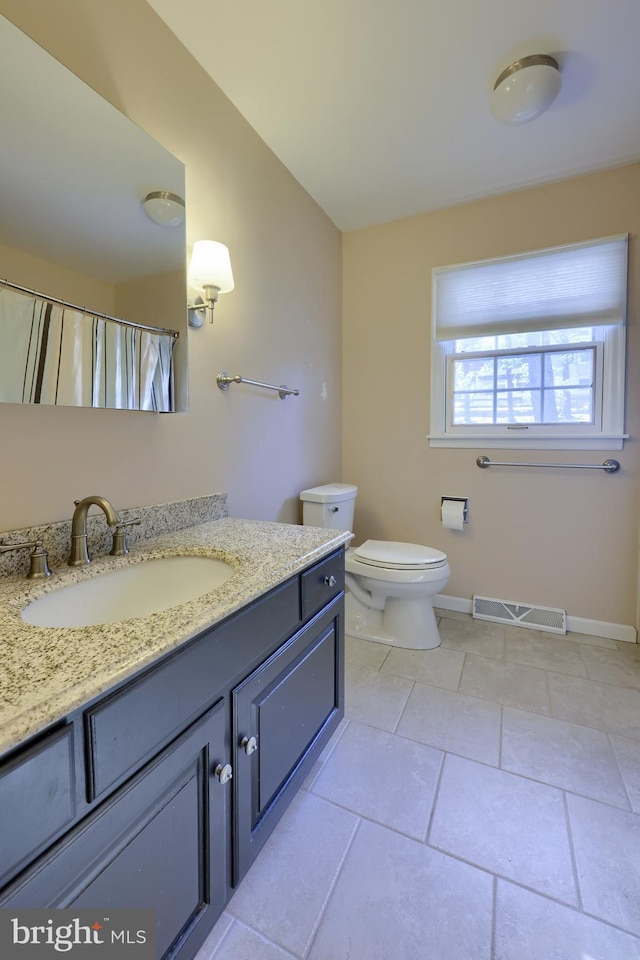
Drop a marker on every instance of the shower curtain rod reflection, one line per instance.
(610, 466)
(162, 331)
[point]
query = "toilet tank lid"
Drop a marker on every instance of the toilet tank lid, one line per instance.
(330, 493)
(390, 553)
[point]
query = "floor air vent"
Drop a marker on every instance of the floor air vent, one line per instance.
(520, 614)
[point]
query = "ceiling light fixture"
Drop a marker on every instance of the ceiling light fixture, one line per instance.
(164, 208)
(526, 89)
(209, 271)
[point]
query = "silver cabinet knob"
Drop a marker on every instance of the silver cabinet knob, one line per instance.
(223, 773)
(249, 745)
(330, 581)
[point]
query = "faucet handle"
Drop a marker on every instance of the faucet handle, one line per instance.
(120, 547)
(38, 558)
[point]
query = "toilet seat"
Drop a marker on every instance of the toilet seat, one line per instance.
(396, 555)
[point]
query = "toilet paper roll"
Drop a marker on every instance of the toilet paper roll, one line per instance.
(453, 514)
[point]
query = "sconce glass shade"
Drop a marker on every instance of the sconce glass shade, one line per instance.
(164, 208)
(525, 89)
(210, 266)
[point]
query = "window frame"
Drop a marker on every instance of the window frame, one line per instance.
(594, 347)
(606, 433)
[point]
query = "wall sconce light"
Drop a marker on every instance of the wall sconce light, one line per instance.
(526, 89)
(209, 271)
(164, 208)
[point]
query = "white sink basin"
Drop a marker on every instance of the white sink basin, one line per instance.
(134, 591)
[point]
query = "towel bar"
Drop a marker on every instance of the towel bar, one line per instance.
(223, 380)
(610, 466)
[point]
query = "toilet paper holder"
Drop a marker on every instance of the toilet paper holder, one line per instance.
(465, 510)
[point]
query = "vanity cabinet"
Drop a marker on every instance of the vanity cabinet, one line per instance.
(160, 842)
(161, 793)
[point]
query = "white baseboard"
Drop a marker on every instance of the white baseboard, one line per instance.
(600, 628)
(592, 628)
(459, 604)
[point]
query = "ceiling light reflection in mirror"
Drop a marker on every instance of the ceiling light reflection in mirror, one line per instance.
(75, 173)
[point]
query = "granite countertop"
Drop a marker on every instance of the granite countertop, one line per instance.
(46, 673)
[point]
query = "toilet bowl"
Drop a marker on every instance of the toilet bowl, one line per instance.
(391, 585)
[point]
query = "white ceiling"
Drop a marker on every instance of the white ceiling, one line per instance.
(380, 108)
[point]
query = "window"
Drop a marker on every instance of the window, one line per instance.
(553, 378)
(529, 350)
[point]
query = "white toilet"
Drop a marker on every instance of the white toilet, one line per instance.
(391, 585)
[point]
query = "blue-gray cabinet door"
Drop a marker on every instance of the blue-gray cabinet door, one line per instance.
(283, 715)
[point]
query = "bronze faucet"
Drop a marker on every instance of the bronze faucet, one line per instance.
(79, 553)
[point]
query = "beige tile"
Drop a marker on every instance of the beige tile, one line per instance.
(593, 704)
(574, 637)
(454, 722)
(518, 631)
(591, 641)
(241, 943)
(365, 653)
(607, 848)
(554, 653)
(310, 841)
(628, 756)
(383, 777)
(631, 650)
(623, 653)
(396, 899)
(564, 754)
(440, 666)
(452, 615)
(513, 684)
(507, 824)
(375, 698)
(612, 666)
(472, 636)
(531, 927)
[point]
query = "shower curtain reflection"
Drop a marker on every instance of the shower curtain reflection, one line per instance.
(55, 355)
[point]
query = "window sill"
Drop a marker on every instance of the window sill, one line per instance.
(529, 443)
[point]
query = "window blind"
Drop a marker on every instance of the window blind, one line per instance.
(576, 285)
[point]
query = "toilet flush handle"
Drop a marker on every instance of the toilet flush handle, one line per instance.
(333, 509)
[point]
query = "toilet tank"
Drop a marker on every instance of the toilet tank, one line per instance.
(329, 505)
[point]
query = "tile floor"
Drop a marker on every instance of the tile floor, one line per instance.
(480, 801)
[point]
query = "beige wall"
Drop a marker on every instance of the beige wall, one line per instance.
(42, 275)
(281, 324)
(552, 537)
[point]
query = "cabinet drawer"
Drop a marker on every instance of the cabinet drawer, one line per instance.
(321, 583)
(126, 729)
(37, 800)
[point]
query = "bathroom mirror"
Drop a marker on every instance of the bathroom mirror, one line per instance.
(74, 173)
